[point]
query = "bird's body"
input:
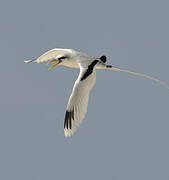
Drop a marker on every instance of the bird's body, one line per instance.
(78, 101)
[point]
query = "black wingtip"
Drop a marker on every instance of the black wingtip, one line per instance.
(69, 116)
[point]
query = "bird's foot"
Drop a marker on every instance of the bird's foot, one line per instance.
(51, 61)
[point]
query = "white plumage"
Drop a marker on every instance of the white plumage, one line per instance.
(78, 101)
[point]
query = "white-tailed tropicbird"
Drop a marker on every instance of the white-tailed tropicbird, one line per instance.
(78, 101)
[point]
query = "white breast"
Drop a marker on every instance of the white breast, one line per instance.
(70, 63)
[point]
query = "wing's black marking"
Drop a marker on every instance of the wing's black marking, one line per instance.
(68, 119)
(103, 58)
(62, 57)
(89, 70)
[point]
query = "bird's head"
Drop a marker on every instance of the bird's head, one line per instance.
(103, 58)
(101, 62)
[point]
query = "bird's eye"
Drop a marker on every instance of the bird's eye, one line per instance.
(103, 59)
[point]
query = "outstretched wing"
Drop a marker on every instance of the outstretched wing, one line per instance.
(52, 54)
(78, 101)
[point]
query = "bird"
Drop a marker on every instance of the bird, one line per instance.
(78, 101)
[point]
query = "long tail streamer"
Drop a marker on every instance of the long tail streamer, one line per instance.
(140, 74)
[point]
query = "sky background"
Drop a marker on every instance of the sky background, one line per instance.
(125, 134)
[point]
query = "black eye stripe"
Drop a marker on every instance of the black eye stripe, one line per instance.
(103, 59)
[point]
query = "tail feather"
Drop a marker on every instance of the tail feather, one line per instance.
(140, 74)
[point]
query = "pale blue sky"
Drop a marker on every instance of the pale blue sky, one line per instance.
(125, 134)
